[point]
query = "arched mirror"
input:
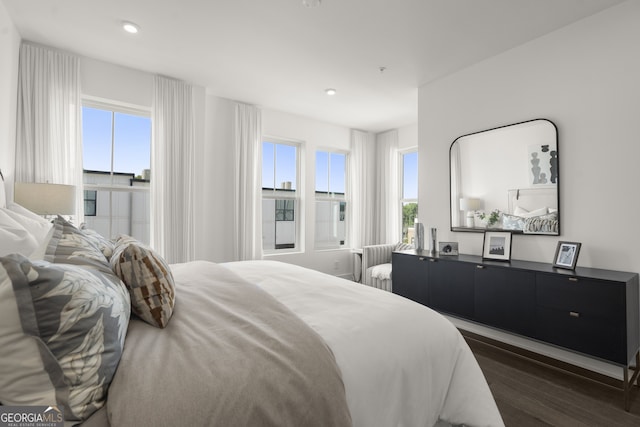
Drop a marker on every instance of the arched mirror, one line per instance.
(506, 178)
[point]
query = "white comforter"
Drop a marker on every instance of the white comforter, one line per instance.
(402, 363)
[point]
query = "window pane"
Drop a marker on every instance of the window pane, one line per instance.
(119, 212)
(96, 139)
(132, 145)
(338, 173)
(279, 178)
(268, 165)
(128, 142)
(322, 172)
(286, 166)
(330, 223)
(410, 176)
(409, 213)
(89, 203)
(278, 224)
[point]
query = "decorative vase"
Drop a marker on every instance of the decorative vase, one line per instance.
(419, 229)
(434, 237)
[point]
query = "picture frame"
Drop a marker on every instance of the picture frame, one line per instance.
(448, 248)
(497, 245)
(567, 255)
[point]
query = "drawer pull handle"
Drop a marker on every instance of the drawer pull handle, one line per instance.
(432, 260)
(574, 314)
(421, 258)
(480, 267)
(573, 279)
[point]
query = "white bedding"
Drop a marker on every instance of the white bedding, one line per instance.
(402, 363)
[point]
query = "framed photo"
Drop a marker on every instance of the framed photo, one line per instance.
(567, 255)
(448, 248)
(497, 245)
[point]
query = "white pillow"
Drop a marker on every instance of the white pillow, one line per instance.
(26, 212)
(381, 271)
(518, 211)
(38, 227)
(3, 195)
(14, 238)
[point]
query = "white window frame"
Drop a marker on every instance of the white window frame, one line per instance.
(114, 107)
(402, 200)
(332, 197)
(296, 196)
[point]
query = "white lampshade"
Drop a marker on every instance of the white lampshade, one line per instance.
(46, 199)
(469, 204)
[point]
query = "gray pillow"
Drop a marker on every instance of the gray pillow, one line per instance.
(542, 224)
(62, 331)
(68, 245)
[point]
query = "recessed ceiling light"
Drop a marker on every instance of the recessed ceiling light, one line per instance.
(130, 27)
(330, 91)
(311, 3)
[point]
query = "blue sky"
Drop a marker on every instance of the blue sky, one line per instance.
(132, 142)
(326, 164)
(410, 171)
(132, 154)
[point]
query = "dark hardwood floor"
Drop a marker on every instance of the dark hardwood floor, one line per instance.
(533, 393)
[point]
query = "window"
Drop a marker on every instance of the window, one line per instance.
(409, 191)
(331, 202)
(116, 145)
(280, 197)
(90, 198)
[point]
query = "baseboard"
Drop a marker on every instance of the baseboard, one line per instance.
(542, 359)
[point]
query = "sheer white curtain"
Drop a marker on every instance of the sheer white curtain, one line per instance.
(48, 142)
(172, 170)
(387, 199)
(362, 184)
(248, 183)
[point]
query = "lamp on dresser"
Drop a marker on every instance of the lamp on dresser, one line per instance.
(46, 199)
(470, 206)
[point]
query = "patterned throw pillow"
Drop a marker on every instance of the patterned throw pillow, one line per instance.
(404, 246)
(68, 245)
(62, 331)
(542, 224)
(148, 278)
(105, 245)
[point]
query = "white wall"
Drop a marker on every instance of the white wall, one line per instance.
(408, 137)
(583, 77)
(113, 82)
(9, 53)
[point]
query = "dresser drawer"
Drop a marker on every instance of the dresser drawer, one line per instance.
(583, 296)
(592, 335)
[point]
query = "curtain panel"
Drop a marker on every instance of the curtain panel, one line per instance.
(247, 224)
(172, 170)
(361, 188)
(48, 122)
(387, 188)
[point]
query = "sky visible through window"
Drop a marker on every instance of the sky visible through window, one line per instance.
(410, 175)
(132, 146)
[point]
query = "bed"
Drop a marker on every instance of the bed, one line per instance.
(243, 343)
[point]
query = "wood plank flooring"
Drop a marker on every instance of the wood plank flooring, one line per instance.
(531, 393)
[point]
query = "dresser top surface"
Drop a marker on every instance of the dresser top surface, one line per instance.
(586, 272)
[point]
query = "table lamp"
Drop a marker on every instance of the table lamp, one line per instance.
(470, 206)
(46, 199)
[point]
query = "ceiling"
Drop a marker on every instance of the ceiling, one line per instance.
(281, 55)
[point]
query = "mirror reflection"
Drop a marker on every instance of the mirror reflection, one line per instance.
(506, 179)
